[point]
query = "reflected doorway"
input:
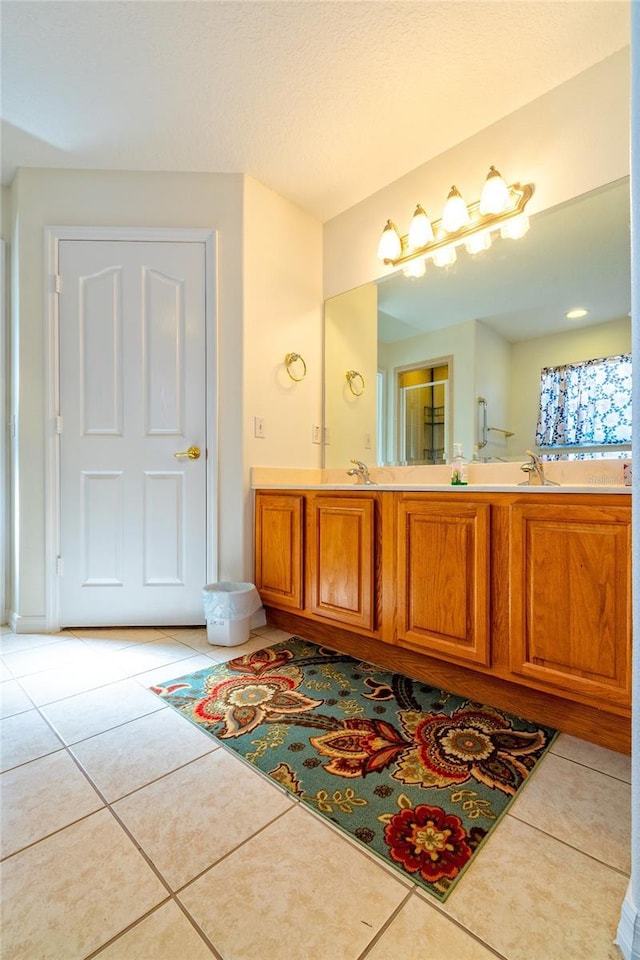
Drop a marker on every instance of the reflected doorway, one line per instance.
(423, 408)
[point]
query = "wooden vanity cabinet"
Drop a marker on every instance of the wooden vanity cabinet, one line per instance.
(319, 554)
(522, 600)
(341, 554)
(570, 582)
(279, 562)
(443, 576)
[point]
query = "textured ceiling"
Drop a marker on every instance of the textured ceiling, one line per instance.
(324, 102)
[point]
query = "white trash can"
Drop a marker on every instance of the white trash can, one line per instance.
(231, 609)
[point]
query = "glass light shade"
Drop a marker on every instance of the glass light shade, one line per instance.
(415, 269)
(390, 246)
(478, 242)
(445, 256)
(455, 213)
(420, 231)
(495, 196)
(515, 229)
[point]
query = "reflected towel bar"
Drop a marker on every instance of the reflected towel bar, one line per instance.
(486, 429)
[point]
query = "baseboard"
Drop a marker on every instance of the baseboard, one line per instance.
(21, 624)
(628, 938)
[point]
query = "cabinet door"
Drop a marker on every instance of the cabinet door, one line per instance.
(571, 598)
(443, 577)
(341, 552)
(279, 558)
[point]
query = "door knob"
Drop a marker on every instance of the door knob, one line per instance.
(193, 453)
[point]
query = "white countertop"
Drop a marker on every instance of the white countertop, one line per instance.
(586, 477)
(447, 488)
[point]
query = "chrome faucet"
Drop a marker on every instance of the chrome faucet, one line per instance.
(361, 471)
(535, 469)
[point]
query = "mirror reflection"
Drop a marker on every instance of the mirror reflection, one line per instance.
(456, 355)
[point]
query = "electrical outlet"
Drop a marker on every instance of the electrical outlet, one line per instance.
(258, 427)
(367, 441)
(316, 433)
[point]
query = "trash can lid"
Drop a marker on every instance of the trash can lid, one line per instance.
(229, 586)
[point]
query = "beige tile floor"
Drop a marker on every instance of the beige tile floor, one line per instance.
(128, 834)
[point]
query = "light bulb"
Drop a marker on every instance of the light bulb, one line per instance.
(420, 231)
(415, 269)
(390, 246)
(445, 256)
(455, 213)
(478, 242)
(495, 196)
(515, 229)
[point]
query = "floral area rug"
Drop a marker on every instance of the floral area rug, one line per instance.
(418, 775)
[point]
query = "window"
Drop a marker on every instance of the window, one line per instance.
(586, 405)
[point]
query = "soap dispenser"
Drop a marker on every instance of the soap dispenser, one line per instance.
(459, 467)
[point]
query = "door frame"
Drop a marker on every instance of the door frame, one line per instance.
(397, 391)
(53, 235)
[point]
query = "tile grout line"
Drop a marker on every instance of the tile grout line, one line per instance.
(229, 853)
(174, 896)
(131, 926)
(570, 846)
(417, 894)
(440, 907)
(385, 926)
(99, 686)
(587, 766)
(107, 805)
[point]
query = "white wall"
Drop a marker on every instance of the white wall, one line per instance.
(492, 382)
(350, 344)
(571, 140)
(282, 291)
(64, 197)
(457, 342)
(528, 357)
(282, 294)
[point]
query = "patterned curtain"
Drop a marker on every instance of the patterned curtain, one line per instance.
(586, 403)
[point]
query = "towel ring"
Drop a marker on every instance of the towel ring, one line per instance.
(352, 375)
(292, 358)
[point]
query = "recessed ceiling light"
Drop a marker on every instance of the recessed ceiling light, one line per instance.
(576, 314)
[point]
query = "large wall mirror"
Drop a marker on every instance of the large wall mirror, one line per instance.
(428, 350)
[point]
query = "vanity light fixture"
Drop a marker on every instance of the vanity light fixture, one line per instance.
(472, 224)
(445, 256)
(495, 196)
(455, 214)
(415, 269)
(478, 242)
(515, 229)
(390, 246)
(420, 231)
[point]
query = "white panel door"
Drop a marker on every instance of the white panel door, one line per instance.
(132, 395)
